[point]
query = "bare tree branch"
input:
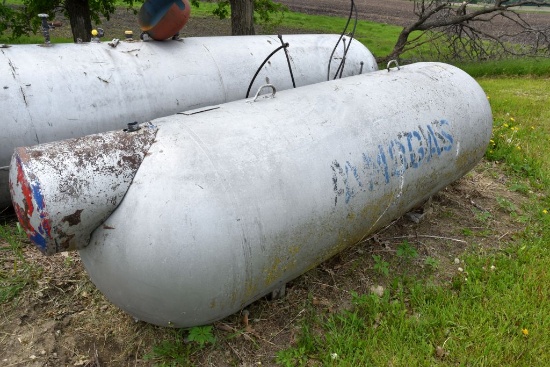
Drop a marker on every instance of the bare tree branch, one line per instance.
(468, 30)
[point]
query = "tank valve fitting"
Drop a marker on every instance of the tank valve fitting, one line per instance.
(114, 43)
(132, 126)
(95, 38)
(45, 28)
(97, 34)
(144, 36)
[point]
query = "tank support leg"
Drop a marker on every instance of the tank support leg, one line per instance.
(278, 293)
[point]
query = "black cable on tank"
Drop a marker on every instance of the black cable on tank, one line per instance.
(288, 60)
(262, 65)
(353, 7)
(343, 62)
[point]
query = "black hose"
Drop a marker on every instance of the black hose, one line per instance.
(339, 39)
(288, 60)
(285, 45)
(353, 7)
(343, 62)
(351, 37)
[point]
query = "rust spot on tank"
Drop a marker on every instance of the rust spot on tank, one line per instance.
(66, 243)
(72, 166)
(36, 154)
(73, 219)
(132, 161)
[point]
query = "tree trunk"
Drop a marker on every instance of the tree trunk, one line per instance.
(78, 12)
(399, 46)
(242, 17)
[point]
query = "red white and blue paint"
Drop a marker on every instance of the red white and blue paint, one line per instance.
(83, 179)
(30, 206)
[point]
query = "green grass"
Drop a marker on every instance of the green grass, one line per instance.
(507, 68)
(173, 351)
(379, 38)
(521, 125)
(479, 321)
(15, 277)
(33, 39)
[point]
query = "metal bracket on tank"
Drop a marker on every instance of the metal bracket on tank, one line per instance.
(393, 62)
(45, 27)
(273, 91)
(132, 126)
(198, 110)
(114, 43)
(278, 293)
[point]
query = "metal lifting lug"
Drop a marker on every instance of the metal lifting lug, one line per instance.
(393, 62)
(273, 91)
(114, 43)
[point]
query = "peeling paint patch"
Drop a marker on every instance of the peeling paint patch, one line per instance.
(30, 207)
(73, 219)
(66, 175)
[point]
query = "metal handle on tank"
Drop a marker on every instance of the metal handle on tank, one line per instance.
(274, 90)
(394, 62)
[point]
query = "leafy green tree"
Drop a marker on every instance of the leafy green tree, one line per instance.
(23, 20)
(5, 14)
(8, 18)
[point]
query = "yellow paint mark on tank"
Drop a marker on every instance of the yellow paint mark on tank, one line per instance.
(279, 266)
(250, 289)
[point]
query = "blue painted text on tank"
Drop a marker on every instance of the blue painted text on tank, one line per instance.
(409, 150)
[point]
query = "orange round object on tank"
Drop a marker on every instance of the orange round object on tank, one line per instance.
(162, 19)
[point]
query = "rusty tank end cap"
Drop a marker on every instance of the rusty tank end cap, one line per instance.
(29, 204)
(59, 189)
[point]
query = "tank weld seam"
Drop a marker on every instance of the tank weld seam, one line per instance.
(383, 213)
(13, 71)
(24, 96)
